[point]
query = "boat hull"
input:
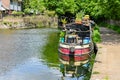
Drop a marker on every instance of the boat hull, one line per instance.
(76, 56)
(75, 63)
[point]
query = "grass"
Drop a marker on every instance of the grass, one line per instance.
(106, 78)
(96, 72)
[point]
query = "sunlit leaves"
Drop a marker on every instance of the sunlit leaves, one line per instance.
(35, 6)
(62, 6)
(109, 9)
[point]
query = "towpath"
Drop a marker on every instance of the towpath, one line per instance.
(107, 65)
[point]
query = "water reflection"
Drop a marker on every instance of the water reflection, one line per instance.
(77, 70)
(21, 55)
(32, 69)
(50, 50)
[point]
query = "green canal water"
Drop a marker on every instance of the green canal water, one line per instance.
(31, 54)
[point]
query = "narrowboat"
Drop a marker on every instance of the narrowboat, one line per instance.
(75, 44)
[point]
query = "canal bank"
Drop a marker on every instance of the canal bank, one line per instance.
(33, 21)
(107, 62)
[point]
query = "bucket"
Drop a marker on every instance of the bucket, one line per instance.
(62, 40)
(86, 40)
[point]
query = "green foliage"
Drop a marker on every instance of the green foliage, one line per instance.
(62, 34)
(8, 23)
(97, 28)
(50, 13)
(90, 7)
(79, 15)
(108, 9)
(96, 36)
(61, 7)
(17, 13)
(118, 30)
(34, 6)
(111, 9)
(96, 72)
(113, 27)
(64, 21)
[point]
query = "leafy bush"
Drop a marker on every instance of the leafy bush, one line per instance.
(96, 36)
(118, 30)
(17, 13)
(96, 28)
(50, 13)
(113, 27)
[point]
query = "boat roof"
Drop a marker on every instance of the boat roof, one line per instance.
(76, 26)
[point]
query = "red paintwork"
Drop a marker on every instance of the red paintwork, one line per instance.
(65, 50)
(76, 52)
(74, 58)
(77, 55)
(81, 58)
(65, 57)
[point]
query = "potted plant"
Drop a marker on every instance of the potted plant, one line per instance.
(64, 21)
(79, 16)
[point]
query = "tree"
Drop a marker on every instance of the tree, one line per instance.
(90, 7)
(62, 6)
(25, 4)
(34, 6)
(111, 8)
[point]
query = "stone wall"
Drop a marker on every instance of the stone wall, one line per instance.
(29, 22)
(43, 21)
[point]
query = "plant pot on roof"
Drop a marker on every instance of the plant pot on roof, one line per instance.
(78, 19)
(64, 21)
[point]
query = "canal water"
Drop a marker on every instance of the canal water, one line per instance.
(21, 56)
